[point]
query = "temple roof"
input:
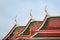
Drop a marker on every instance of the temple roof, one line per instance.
(52, 23)
(33, 25)
(49, 23)
(51, 28)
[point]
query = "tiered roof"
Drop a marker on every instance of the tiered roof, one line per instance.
(49, 27)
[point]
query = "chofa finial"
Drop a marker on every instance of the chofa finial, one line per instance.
(46, 10)
(16, 19)
(31, 13)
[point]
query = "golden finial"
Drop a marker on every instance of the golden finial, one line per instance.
(16, 19)
(31, 13)
(46, 11)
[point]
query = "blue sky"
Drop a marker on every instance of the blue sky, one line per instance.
(10, 8)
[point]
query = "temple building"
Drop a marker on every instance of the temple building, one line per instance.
(47, 29)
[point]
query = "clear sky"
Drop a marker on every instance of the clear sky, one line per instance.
(10, 8)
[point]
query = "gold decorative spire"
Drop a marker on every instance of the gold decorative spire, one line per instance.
(46, 11)
(31, 13)
(16, 19)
